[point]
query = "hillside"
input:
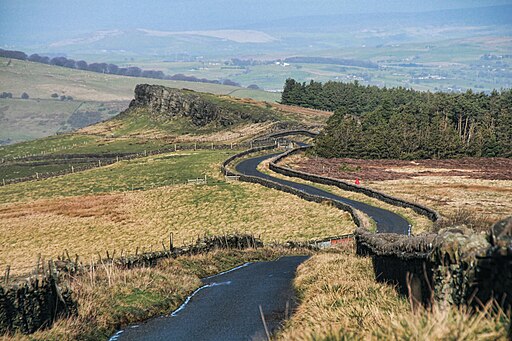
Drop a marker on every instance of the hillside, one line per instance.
(94, 97)
(157, 118)
(119, 159)
(152, 202)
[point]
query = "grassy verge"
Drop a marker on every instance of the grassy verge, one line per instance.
(486, 200)
(340, 300)
(110, 298)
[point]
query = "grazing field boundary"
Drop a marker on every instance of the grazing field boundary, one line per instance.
(420, 209)
(456, 265)
(100, 160)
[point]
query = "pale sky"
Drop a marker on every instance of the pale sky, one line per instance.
(57, 19)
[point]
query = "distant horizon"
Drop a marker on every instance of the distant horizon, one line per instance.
(29, 23)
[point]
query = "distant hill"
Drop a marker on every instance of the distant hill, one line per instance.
(94, 97)
(485, 15)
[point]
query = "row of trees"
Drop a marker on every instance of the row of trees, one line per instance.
(112, 69)
(372, 122)
(9, 95)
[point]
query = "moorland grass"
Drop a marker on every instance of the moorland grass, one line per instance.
(340, 300)
(418, 222)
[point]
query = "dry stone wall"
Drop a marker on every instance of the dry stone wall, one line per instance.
(429, 213)
(456, 265)
(356, 215)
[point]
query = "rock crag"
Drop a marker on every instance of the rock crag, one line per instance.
(166, 103)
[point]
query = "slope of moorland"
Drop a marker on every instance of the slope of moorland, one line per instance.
(140, 201)
(475, 191)
(226, 120)
(87, 97)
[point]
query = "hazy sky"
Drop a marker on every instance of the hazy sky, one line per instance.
(56, 19)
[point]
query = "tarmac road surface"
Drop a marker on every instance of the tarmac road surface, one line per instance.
(227, 306)
(387, 221)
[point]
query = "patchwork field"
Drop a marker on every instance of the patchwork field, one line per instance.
(480, 188)
(97, 211)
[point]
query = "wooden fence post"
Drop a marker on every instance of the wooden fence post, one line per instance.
(7, 272)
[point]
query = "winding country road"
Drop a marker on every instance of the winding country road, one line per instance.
(387, 221)
(226, 307)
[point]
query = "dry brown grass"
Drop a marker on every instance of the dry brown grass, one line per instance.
(92, 224)
(473, 189)
(304, 115)
(340, 300)
(235, 134)
(489, 199)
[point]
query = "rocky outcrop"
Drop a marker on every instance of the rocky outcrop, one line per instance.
(166, 103)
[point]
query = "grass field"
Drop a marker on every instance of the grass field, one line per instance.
(418, 222)
(41, 80)
(26, 119)
(486, 200)
(94, 211)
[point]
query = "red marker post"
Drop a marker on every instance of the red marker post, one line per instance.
(357, 181)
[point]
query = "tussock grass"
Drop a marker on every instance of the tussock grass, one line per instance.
(340, 300)
(110, 298)
(463, 216)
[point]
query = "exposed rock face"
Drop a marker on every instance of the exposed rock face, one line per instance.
(168, 102)
(173, 102)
